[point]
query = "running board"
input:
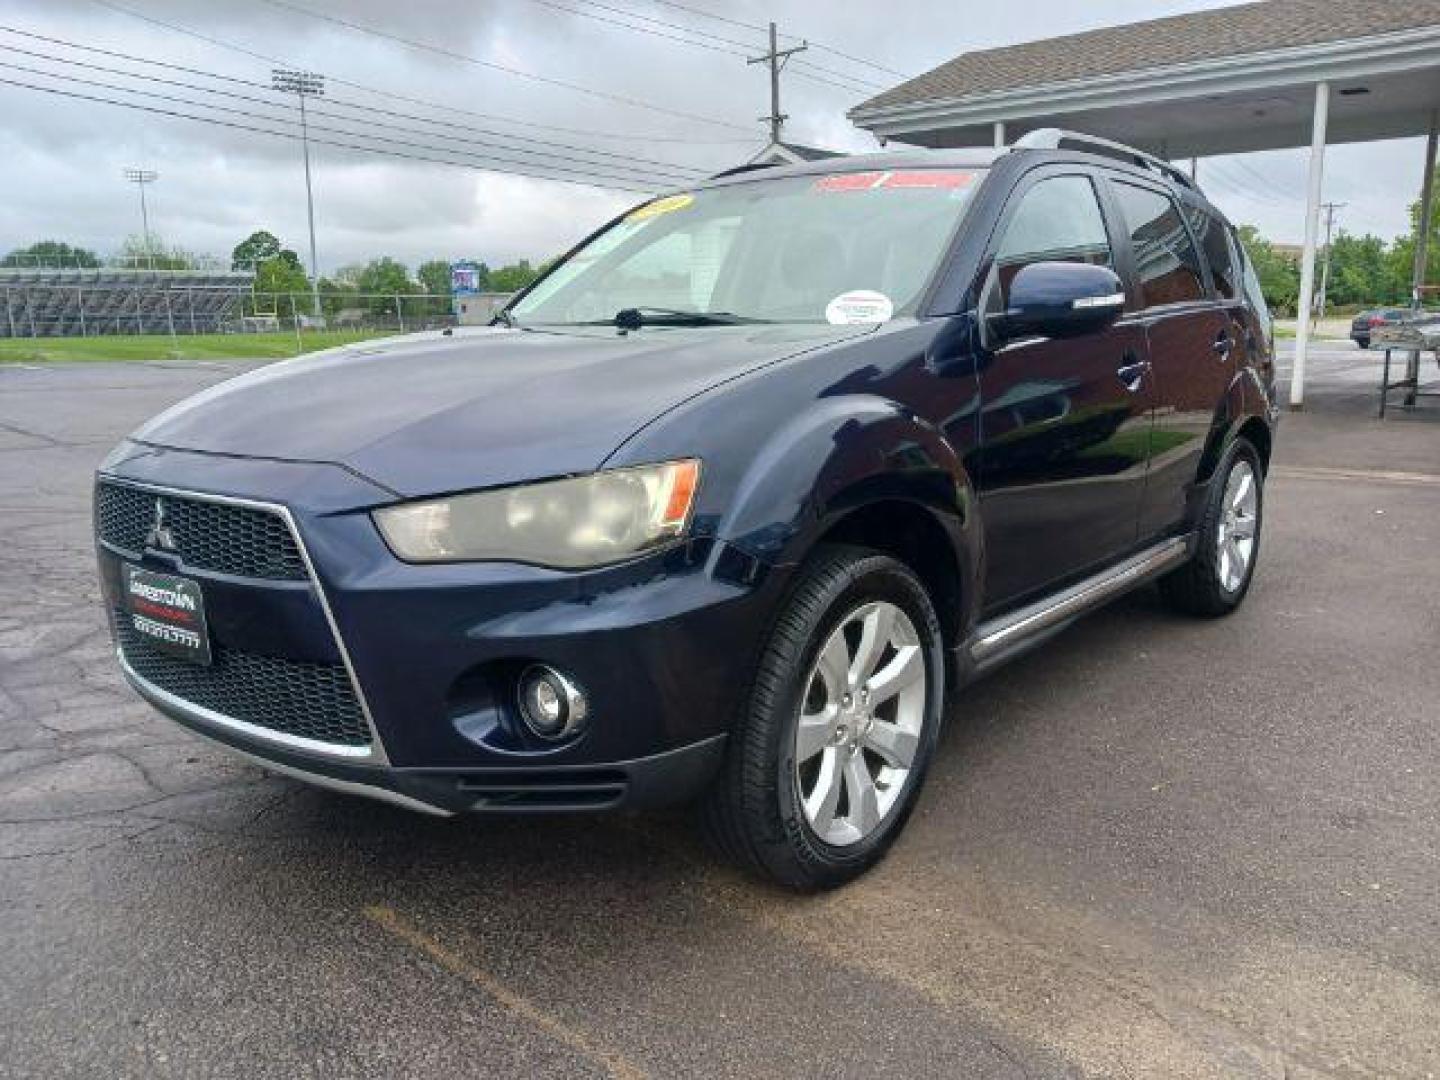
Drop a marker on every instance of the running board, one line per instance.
(997, 639)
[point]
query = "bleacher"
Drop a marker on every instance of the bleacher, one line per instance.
(59, 302)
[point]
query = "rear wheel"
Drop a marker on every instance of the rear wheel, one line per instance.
(1216, 580)
(826, 762)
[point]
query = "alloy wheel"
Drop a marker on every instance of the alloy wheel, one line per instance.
(1239, 522)
(860, 723)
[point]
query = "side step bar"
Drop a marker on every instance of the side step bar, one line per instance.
(998, 639)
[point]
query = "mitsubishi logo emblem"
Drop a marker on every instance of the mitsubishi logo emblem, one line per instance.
(160, 535)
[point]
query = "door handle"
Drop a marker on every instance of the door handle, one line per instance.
(1223, 344)
(1133, 375)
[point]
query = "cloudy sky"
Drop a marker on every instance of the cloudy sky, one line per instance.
(657, 110)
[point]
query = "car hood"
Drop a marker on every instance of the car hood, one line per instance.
(433, 413)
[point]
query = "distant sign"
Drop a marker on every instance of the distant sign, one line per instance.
(464, 279)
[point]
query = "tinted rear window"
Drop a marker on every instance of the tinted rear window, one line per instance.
(1216, 249)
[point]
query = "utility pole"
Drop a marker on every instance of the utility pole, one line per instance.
(141, 177)
(776, 58)
(1329, 208)
(304, 84)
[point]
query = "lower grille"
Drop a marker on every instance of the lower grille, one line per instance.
(293, 697)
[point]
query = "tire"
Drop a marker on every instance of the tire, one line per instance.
(1208, 585)
(756, 813)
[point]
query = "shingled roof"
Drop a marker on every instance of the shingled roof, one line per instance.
(1178, 39)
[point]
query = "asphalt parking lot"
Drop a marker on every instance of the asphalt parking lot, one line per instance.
(1157, 847)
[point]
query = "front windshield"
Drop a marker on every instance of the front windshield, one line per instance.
(839, 248)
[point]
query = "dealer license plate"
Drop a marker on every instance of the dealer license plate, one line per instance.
(168, 611)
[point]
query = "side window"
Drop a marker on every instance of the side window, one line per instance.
(1216, 247)
(1253, 294)
(1166, 261)
(1057, 220)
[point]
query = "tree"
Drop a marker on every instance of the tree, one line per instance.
(281, 273)
(434, 277)
(51, 253)
(155, 255)
(254, 249)
(1359, 271)
(1279, 274)
(380, 281)
(385, 275)
(435, 283)
(512, 278)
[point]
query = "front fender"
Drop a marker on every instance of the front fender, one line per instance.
(845, 453)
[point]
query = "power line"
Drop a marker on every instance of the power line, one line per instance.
(1241, 184)
(393, 95)
(706, 40)
(466, 58)
(429, 158)
(759, 29)
(663, 168)
(589, 170)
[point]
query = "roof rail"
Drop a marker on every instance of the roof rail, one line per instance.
(1056, 138)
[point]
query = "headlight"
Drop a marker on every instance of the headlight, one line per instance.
(587, 521)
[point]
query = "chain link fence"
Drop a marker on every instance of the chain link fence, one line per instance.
(172, 303)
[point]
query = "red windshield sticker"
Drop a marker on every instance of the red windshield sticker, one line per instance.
(859, 181)
(914, 178)
(928, 178)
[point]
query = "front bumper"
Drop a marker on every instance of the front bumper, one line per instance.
(662, 779)
(662, 648)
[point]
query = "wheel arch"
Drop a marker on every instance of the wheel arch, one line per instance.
(863, 470)
(1242, 411)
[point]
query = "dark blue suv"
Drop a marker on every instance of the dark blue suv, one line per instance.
(725, 507)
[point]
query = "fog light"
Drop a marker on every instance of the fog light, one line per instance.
(551, 705)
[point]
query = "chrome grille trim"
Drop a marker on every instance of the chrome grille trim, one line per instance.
(219, 538)
(374, 754)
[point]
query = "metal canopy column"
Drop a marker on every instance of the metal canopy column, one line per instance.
(1422, 248)
(1312, 228)
(999, 134)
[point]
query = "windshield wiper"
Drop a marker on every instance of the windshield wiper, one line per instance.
(633, 318)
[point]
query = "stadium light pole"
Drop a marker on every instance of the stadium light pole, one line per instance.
(304, 84)
(141, 177)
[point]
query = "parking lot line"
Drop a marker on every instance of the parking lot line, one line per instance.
(1378, 476)
(397, 926)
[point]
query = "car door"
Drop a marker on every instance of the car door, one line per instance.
(1192, 339)
(1064, 422)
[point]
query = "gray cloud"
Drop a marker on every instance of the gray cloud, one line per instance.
(64, 157)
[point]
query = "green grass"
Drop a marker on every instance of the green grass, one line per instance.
(140, 348)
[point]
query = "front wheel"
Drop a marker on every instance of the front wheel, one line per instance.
(827, 760)
(1216, 579)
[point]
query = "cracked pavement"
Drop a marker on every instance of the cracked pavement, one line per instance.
(1153, 848)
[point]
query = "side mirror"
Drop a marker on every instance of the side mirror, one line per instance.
(1061, 299)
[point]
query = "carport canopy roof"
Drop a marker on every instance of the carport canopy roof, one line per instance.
(1228, 80)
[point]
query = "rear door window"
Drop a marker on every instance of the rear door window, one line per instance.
(1167, 266)
(1215, 246)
